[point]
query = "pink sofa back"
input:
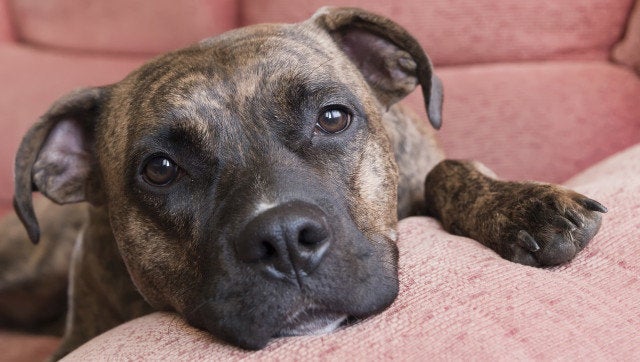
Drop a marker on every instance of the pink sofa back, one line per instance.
(453, 31)
(129, 26)
(479, 31)
(6, 33)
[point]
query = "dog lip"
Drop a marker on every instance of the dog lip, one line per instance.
(311, 321)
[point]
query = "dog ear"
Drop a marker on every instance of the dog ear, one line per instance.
(391, 60)
(55, 156)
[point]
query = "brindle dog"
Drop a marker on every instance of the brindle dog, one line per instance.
(253, 183)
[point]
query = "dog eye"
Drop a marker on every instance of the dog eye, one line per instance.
(160, 171)
(333, 120)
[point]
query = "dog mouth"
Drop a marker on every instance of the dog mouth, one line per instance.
(246, 333)
(311, 321)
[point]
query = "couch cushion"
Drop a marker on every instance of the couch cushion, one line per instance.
(133, 26)
(459, 300)
(543, 121)
(31, 81)
(471, 31)
(628, 50)
(6, 31)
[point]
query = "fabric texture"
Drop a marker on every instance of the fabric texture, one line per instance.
(143, 26)
(474, 31)
(627, 51)
(460, 301)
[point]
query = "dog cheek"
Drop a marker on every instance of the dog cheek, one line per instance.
(165, 271)
(375, 192)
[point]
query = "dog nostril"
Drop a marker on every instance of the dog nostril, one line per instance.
(311, 236)
(268, 251)
(286, 241)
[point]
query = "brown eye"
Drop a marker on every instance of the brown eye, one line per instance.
(333, 120)
(160, 171)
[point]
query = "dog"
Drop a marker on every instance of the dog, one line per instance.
(253, 183)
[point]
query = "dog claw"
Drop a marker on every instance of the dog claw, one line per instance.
(594, 205)
(527, 241)
(574, 218)
(563, 223)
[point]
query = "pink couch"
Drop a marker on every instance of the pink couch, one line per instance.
(529, 89)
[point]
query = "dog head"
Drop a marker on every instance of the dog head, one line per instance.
(249, 180)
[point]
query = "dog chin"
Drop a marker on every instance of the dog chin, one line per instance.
(312, 322)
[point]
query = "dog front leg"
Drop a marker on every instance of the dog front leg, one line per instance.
(34, 278)
(101, 293)
(525, 222)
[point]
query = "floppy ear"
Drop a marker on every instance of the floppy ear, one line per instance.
(55, 156)
(391, 60)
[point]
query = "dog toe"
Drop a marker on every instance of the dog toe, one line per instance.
(558, 250)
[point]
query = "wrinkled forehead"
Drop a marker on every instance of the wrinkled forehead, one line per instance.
(246, 87)
(241, 71)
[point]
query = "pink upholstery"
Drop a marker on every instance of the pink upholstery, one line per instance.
(542, 121)
(6, 31)
(529, 91)
(144, 26)
(460, 301)
(474, 31)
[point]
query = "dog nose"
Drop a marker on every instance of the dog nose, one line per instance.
(287, 241)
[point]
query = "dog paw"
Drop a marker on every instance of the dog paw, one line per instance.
(548, 224)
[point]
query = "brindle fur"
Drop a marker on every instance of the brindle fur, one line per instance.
(501, 214)
(234, 112)
(34, 278)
